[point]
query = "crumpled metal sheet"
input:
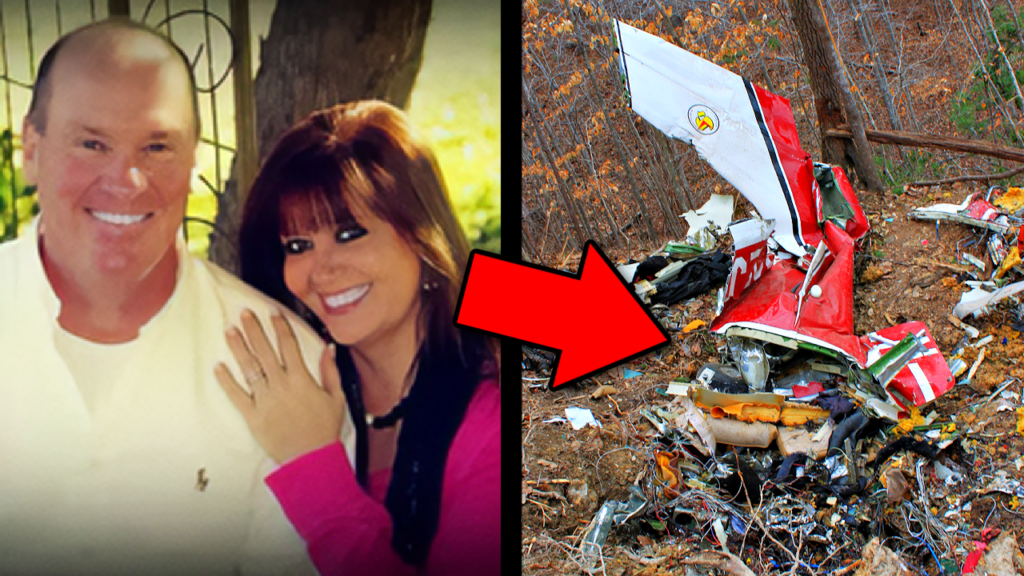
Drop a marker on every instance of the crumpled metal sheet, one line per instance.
(746, 133)
(973, 211)
(770, 304)
(925, 377)
(715, 214)
(749, 136)
(978, 299)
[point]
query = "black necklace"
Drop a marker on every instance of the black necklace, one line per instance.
(430, 422)
(391, 418)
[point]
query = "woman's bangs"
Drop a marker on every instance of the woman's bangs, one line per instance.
(317, 203)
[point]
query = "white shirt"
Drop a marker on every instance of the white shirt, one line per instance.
(136, 463)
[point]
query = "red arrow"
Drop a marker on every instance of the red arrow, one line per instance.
(593, 318)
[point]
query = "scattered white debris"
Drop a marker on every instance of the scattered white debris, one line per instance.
(581, 417)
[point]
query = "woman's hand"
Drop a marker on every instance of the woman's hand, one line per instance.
(287, 412)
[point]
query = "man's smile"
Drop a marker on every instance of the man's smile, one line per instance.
(119, 219)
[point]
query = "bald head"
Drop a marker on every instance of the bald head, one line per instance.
(114, 43)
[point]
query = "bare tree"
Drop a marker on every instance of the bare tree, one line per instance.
(832, 97)
(544, 140)
(863, 18)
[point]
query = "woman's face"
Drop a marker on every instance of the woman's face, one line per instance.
(361, 279)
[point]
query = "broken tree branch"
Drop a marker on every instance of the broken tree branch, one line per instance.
(923, 140)
(969, 178)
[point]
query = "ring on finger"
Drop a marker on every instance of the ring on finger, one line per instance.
(256, 376)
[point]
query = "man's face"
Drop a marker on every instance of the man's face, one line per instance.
(113, 164)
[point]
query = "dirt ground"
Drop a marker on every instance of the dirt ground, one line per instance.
(905, 271)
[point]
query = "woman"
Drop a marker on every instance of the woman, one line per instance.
(349, 225)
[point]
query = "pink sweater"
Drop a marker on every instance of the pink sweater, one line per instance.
(348, 531)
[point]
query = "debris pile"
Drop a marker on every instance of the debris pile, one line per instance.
(997, 218)
(801, 446)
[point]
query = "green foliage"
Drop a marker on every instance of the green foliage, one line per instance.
(15, 216)
(464, 133)
(200, 214)
(18, 203)
(481, 219)
(916, 165)
(1009, 37)
(966, 109)
(737, 56)
(975, 115)
(972, 111)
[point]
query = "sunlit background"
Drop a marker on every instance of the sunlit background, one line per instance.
(455, 103)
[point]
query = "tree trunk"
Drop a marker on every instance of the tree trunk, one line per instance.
(320, 53)
(677, 160)
(652, 234)
(863, 18)
(832, 98)
(591, 163)
(544, 142)
(665, 158)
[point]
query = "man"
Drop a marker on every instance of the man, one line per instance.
(119, 452)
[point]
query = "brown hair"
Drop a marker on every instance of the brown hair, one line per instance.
(364, 152)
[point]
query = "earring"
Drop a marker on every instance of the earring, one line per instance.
(429, 270)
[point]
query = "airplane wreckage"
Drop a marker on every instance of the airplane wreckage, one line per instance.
(791, 282)
(786, 316)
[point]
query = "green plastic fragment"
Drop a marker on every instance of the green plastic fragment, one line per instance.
(819, 349)
(895, 359)
(681, 248)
